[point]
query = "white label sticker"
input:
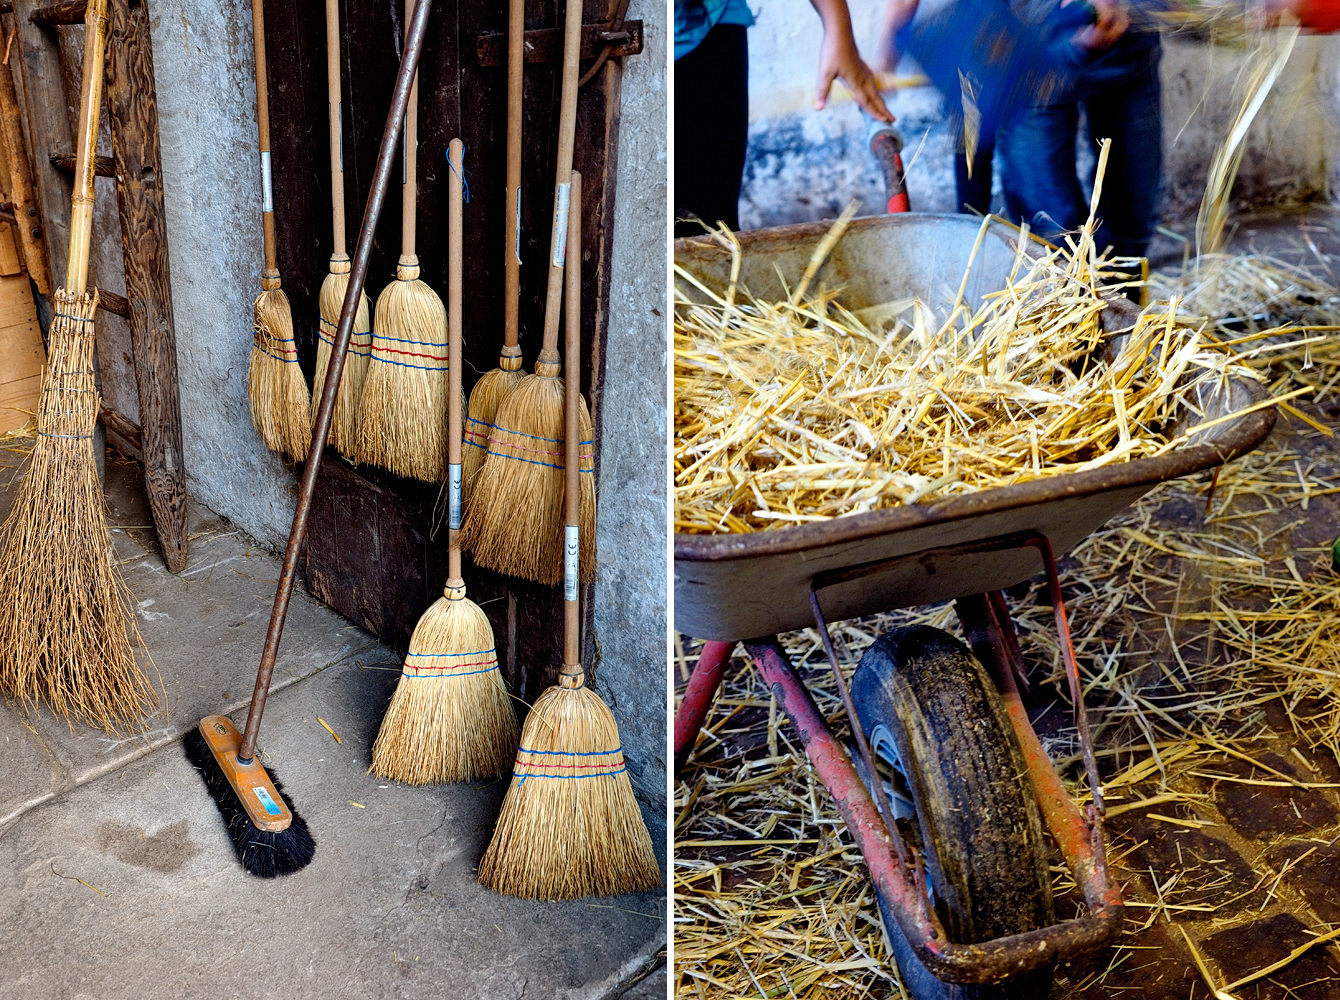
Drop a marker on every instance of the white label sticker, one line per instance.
(518, 225)
(561, 225)
(570, 548)
(454, 509)
(270, 805)
(267, 199)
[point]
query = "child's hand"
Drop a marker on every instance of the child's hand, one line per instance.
(840, 60)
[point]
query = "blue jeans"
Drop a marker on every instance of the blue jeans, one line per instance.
(1038, 164)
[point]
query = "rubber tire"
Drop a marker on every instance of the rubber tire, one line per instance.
(977, 822)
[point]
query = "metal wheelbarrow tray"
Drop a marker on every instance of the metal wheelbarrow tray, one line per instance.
(731, 587)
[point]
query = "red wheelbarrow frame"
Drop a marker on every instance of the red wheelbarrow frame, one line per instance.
(894, 867)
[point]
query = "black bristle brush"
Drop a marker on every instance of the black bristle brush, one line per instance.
(269, 837)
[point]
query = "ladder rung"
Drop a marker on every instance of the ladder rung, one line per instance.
(104, 166)
(61, 12)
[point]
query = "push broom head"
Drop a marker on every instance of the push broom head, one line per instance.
(492, 388)
(402, 414)
(269, 837)
(344, 419)
(67, 623)
(450, 718)
(514, 516)
(570, 826)
(280, 409)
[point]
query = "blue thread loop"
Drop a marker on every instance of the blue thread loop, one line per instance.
(460, 173)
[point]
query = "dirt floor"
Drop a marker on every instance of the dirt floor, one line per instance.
(117, 877)
(1209, 638)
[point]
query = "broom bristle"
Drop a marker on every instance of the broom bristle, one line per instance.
(492, 388)
(262, 853)
(344, 419)
(402, 414)
(67, 621)
(570, 825)
(514, 520)
(449, 719)
(280, 408)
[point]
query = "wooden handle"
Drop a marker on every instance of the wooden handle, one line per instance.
(271, 275)
(567, 132)
(572, 434)
(455, 285)
(516, 56)
(409, 205)
(381, 180)
(339, 251)
(85, 164)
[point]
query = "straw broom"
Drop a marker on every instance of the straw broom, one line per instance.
(402, 411)
(450, 718)
(570, 826)
(67, 623)
(275, 386)
(495, 385)
(515, 506)
(343, 424)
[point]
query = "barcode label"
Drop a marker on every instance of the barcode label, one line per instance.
(454, 514)
(570, 548)
(561, 224)
(267, 197)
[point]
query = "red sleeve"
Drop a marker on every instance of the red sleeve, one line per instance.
(1319, 15)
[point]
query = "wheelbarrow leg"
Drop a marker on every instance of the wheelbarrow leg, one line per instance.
(698, 697)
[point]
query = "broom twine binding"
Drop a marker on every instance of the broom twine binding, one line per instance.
(601, 769)
(486, 660)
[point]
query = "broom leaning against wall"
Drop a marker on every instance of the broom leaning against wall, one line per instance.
(67, 626)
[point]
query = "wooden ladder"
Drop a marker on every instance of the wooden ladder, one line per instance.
(136, 166)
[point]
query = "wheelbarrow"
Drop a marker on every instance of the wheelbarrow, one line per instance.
(962, 882)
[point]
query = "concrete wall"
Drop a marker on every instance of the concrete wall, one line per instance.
(211, 184)
(805, 165)
(630, 603)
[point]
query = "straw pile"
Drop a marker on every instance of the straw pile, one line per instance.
(803, 410)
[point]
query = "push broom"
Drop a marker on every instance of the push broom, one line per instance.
(450, 718)
(275, 386)
(570, 826)
(495, 385)
(269, 838)
(67, 624)
(337, 281)
(402, 413)
(514, 509)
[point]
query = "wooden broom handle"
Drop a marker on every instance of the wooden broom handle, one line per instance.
(409, 204)
(270, 277)
(455, 285)
(572, 433)
(567, 132)
(90, 103)
(339, 251)
(381, 181)
(516, 56)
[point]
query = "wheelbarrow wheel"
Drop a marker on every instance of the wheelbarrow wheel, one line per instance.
(961, 794)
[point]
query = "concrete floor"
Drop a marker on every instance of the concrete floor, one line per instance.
(389, 907)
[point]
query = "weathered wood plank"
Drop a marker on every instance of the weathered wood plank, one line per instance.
(48, 131)
(21, 193)
(132, 113)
